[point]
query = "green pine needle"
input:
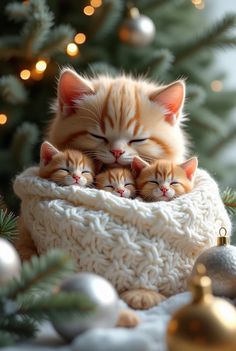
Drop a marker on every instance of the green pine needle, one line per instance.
(6, 338)
(40, 274)
(12, 90)
(17, 11)
(8, 225)
(229, 199)
(215, 37)
(58, 305)
(19, 327)
(37, 28)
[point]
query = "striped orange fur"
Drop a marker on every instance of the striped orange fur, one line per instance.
(118, 181)
(68, 167)
(135, 116)
(163, 179)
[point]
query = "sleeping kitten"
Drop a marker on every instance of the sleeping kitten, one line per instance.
(164, 180)
(68, 167)
(118, 181)
(114, 119)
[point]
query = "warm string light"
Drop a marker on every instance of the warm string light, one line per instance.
(80, 38)
(96, 3)
(3, 118)
(89, 10)
(199, 4)
(216, 86)
(25, 74)
(72, 49)
(41, 66)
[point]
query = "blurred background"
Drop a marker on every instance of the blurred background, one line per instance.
(161, 39)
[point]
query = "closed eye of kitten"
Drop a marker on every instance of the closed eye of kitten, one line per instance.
(118, 181)
(164, 180)
(68, 167)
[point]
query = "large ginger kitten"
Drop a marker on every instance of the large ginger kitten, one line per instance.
(114, 119)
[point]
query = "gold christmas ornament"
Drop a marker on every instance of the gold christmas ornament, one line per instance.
(207, 323)
(10, 265)
(220, 264)
(136, 29)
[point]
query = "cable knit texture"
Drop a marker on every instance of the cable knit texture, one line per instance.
(133, 244)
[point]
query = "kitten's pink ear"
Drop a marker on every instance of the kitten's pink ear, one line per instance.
(137, 165)
(47, 151)
(190, 167)
(172, 99)
(71, 87)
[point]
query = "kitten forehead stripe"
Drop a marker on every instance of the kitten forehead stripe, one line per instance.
(163, 145)
(73, 136)
(105, 112)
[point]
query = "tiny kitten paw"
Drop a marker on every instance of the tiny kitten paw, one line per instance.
(142, 299)
(127, 319)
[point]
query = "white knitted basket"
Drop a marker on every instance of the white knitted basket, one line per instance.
(131, 243)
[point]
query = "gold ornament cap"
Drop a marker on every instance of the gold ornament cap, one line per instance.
(206, 323)
(200, 285)
(223, 239)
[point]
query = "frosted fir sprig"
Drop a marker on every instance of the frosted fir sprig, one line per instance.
(229, 199)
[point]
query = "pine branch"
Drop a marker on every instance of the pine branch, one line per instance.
(102, 68)
(6, 338)
(196, 95)
(222, 142)
(22, 144)
(37, 28)
(229, 199)
(40, 274)
(105, 19)
(10, 46)
(12, 90)
(8, 225)
(57, 41)
(19, 327)
(159, 64)
(214, 38)
(16, 11)
(58, 305)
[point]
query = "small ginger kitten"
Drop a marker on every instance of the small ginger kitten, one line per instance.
(68, 167)
(164, 180)
(118, 181)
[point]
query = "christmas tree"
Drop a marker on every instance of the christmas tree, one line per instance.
(109, 36)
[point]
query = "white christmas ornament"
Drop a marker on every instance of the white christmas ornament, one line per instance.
(220, 264)
(100, 293)
(136, 29)
(10, 264)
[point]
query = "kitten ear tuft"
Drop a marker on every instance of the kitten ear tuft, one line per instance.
(47, 151)
(172, 99)
(71, 87)
(137, 165)
(190, 167)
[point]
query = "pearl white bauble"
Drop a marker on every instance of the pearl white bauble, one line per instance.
(100, 293)
(10, 264)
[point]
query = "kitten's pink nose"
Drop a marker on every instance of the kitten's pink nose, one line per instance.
(120, 191)
(163, 189)
(117, 153)
(76, 177)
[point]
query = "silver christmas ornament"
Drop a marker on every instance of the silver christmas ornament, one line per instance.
(101, 294)
(220, 264)
(10, 264)
(137, 30)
